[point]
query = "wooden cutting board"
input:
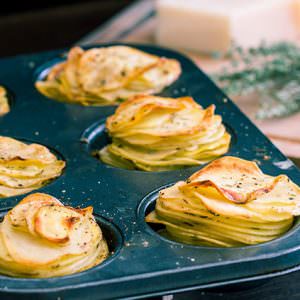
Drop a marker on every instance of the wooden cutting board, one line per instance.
(137, 24)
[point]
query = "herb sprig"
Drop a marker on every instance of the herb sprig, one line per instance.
(272, 71)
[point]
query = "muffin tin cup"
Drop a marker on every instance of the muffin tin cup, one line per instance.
(143, 263)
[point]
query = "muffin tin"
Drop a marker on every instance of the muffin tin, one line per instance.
(142, 262)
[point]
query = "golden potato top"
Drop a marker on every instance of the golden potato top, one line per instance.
(228, 203)
(241, 181)
(104, 69)
(161, 116)
(154, 133)
(43, 238)
(234, 187)
(108, 75)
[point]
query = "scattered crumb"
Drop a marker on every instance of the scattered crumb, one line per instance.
(145, 244)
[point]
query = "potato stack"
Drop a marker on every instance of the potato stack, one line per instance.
(228, 203)
(42, 238)
(4, 105)
(108, 75)
(25, 167)
(157, 134)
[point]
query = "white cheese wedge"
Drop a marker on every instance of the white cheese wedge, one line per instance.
(213, 25)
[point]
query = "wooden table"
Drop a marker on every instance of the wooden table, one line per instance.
(136, 24)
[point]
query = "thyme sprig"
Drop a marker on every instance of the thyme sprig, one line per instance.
(273, 71)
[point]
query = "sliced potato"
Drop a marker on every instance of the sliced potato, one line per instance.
(10, 192)
(70, 72)
(108, 75)
(47, 171)
(207, 209)
(105, 69)
(27, 208)
(24, 167)
(52, 89)
(239, 180)
(54, 223)
(11, 149)
(42, 238)
(159, 134)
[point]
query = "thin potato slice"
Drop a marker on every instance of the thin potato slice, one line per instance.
(70, 72)
(105, 69)
(29, 205)
(52, 89)
(4, 254)
(158, 77)
(10, 192)
(23, 169)
(13, 149)
(55, 223)
(47, 172)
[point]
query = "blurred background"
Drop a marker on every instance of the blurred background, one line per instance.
(30, 26)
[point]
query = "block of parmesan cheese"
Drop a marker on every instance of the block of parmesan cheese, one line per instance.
(213, 25)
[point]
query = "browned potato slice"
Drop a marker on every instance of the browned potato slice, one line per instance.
(55, 223)
(27, 208)
(238, 180)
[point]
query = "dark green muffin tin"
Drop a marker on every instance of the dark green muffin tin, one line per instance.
(142, 262)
